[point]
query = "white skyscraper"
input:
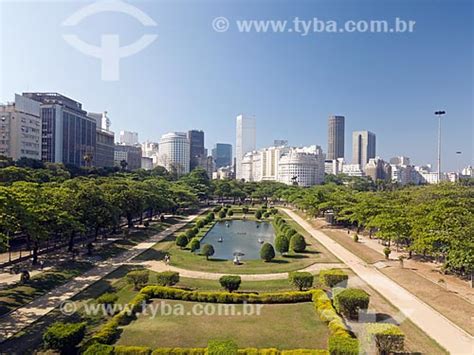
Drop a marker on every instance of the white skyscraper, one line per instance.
(245, 140)
(174, 152)
(128, 138)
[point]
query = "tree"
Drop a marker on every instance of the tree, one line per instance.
(301, 280)
(297, 243)
(350, 301)
(387, 251)
(230, 282)
(258, 214)
(167, 278)
(245, 210)
(207, 250)
(282, 244)
(267, 253)
(222, 214)
(138, 278)
(195, 244)
(182, 240)
(230, 213)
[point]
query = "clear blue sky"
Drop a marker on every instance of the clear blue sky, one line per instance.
(193, 77)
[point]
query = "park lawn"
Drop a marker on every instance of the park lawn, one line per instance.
(276, 326)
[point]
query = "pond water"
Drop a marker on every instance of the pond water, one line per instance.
(240, 236)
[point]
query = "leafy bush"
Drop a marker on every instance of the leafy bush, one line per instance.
(222, 214)
(64, 336)
(221, 347)
(349, 301)
(338, 345)
(289, 232)
(207, 250)
(245, 210)
(217, 208)
(99, 349)
(182, 240)
(266, 215)
(180, 351)
(108, 300)
(356, 238)
(273, 210)
(230, 213)
(210, 216)
(258, 214)
(267, 253)
(138, 278)
(297, 243)
(195, 244)
(190, 234)
(200, 223)
(131, 350)
(388, 337)
(301, 280)
(282, 244)
(230, 282)
(387, 251)
(328, 314)
(333, 277)
(167, 278)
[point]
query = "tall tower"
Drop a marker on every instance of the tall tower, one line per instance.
(363, 147)
(197, 151)
(245, 140)
(335, 137)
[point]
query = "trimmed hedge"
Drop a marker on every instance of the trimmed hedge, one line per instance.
(99, 349)
(328, 314)
(167, 278)
(349, 301)
(301, 280)
(230, 282)
(64, 336)
(138, 278)
(180, 351)
(333, 277)
(131, 350)
(222, 347)
(338, 345)
(388, 337)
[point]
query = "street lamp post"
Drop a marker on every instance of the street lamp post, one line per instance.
(439, 114)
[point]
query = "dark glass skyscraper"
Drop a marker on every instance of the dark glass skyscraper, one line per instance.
(196, 147)
(335, 137)
(222, 155)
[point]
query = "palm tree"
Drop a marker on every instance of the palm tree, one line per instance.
(123, 164)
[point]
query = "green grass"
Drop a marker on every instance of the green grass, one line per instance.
(276, 326)
(246, 286)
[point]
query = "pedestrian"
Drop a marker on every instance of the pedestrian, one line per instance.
(41, 264)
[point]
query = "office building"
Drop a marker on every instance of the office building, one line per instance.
(280, 143)
(335, 137)
(128, 138)
(401, 160)
(68, 134)
(147, 163)
(223, 173)
(130, 154)
(222, 155)
(353, 170)
(378, 169)
(363, 147)
(105, 146)
(20, 129)
(302, 166)
(175, 153)
(245, 140)
(196, 149)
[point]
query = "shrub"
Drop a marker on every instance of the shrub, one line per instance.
(181, 240)
(258, 214)
(207, 250)
(221, 347)
(131, 350)
(108, 300)
(64, 336)
(222, 214)
(190, 234)
(350, 300)
(289, 232)
(230, 213)
(138, 278)
(180, 351)
(245, 210)
(273, 210)
(297, 243)
(387, 251)
(301, 280)
(217, 208)
(211, 216)
(267, 252)
(200, 223)
(333, 277)
(167, 278)
(99, 349)
(328, 314)
(338, 345)
(146, 224)
(266, 215)
(356, 238)
(230, 282)
(388, 337)
(195, 244)
(282, 244)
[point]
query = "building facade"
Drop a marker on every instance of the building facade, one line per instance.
(222, 155)
(378, 169)
(175, 152)
(20, 129)
(131, 154)
(245, 140)
(68, 134)
(105, 146)
(196, 148)
(302, 166)
(363, 147)
(128, 138)
(335, 137)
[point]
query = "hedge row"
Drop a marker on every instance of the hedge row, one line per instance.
(327, 313)
(226, 297)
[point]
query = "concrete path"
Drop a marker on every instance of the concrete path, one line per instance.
(441, 329)
(160, 266)
(22, 317)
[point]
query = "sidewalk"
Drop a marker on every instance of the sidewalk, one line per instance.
(21, 318)
(447, 334)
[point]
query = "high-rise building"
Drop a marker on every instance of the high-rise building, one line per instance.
(222, 154)
(401, 160)
(280, 143)
(174, 152)
(363, 147)
(105, 146)
(128, 138)
(20, 129)
(131, 154)
(196, 148)
(302, 166)
(378, 169)
(335, 137)
(68, 134)
(245, 140)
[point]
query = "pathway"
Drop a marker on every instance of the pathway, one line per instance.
(22, 317)
(160, 266)
(446, 333)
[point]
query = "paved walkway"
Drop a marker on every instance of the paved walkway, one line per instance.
(22, 317)
(160, 266)
(446, 333)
